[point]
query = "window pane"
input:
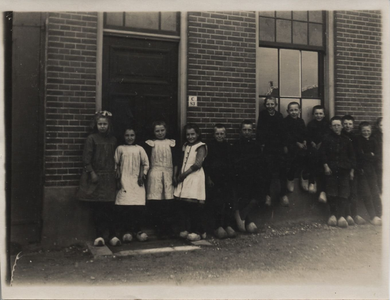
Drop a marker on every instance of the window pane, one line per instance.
(142, 20)
(315, 34)
(300, 33)
(300, 15)
(307, 108)
(169, 21)
(309, 74)
(283, 31)
(114, 19)
(315, 16)
(284, 104)
(283, 14)
(268, 71)
(267, 30)
(267, 13)
(290, 83)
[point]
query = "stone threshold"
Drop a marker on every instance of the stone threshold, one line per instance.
(104, 251)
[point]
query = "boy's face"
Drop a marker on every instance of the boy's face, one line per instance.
(160, 132)
(270, 106)
(102, 125)
(319, 115)
(380, 126)
(220, 134)
(336, 127)
(247, 130)
(294, 111)
(348, 125)
(129, 136)
(366, 131)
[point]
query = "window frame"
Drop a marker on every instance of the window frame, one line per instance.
(292, 45)
(321, 77)
(144, 30)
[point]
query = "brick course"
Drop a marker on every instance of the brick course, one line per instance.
(222, 68)
(358, 64)
(70, 93)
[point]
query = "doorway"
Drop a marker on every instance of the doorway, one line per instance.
(140, 84)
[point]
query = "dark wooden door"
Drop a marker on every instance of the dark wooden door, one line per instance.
(140, 84)
(27, 121)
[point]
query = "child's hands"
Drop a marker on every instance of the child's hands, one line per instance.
(181, 177)
(313, 145)
(285, 149)
(319, 145)
(304, 145)
(117, 173)
(94, 177)
(140, 181)
(352, 174)
(328, 171)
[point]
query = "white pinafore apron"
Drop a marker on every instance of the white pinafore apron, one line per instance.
(194, 186)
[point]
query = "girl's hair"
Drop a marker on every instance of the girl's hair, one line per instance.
(195, 127)
(159, 123)
(129, 128)
(102, 115)
(124, 132)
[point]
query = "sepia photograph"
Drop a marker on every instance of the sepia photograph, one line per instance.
(203, 151)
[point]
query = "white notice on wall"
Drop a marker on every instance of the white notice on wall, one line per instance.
(192, 101)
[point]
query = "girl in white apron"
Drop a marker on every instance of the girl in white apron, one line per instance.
(191, 188)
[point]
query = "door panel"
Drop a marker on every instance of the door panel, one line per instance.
(27, 127)
(140, 84)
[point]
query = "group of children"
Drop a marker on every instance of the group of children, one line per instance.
(120, 182)
(327, 156)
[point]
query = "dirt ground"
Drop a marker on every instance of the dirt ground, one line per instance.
(309, 253)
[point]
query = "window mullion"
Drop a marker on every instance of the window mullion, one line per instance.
(279, 68)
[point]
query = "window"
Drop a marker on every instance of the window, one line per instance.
(291, 55)
(292, 29)
(148, 22)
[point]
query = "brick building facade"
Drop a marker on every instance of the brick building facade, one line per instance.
(358, 64)
(222, 68)
(218, 59)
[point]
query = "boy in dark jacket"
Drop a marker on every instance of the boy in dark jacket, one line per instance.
(338, 158)
(271, 137)
(248, 179)
(367, 156)
(219, 181)
(317, 130)
(352, 208)
(295, 133)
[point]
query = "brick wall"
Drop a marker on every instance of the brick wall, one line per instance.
(70, 93)
(358, 64)
(222, 68)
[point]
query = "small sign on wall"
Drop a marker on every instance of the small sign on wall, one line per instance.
(192, 101)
